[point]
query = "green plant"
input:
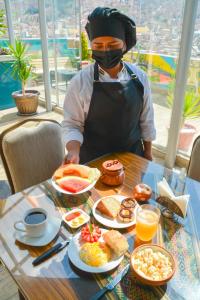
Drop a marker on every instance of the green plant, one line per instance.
(191, 107)
(2, 22)
(21, 67)
(84, 46)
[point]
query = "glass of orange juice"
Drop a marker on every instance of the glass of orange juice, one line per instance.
(147, 219)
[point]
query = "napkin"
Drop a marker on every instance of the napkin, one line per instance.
(181, 201)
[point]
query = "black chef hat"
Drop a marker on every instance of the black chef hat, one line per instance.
(104, 21)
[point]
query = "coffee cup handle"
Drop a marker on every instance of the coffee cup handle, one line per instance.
(19, 228)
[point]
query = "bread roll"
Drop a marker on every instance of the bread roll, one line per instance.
(116, 242)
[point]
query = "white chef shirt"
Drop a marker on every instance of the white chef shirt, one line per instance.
(78, 97)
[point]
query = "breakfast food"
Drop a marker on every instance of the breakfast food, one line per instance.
(90, 233)
(73, 170)
(74, 178)
(95, 254)
(76, 170)
(58, 173)
(75, 218)
(125, 215)
(112, 172)
(116, 242)
(128, 203)
(109, 206)
(73, 184)
(72, 216)
(142, 192)
(152, 264)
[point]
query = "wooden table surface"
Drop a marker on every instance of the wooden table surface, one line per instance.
(57, 278)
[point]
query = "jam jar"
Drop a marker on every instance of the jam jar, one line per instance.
(112, 172)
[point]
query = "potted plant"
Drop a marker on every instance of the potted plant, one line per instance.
(3, 27)
(84, 50)
(26, 100)
(191, 110)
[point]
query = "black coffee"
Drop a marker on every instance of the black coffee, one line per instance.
(35, 217)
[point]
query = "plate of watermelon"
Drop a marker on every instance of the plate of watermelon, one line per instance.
(75, 179)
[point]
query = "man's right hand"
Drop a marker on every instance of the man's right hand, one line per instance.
(73, 149)
(71, 157)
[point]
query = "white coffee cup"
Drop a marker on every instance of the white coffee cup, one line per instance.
(34, 222)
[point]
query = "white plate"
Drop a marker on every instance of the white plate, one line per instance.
(113, 223)
(88, 188)
(86, 217)
(73, 254)
(53, 227)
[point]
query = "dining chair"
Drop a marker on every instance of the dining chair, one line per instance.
(31, 151)
(194, 166)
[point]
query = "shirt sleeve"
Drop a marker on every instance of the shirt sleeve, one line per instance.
(73, 123)
(147, 125)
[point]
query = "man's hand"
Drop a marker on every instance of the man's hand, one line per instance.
(73, 149)
(148, 155)
(148, 150)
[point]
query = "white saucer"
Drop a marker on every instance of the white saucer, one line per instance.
(53, 227)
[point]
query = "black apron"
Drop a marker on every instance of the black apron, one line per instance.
(113, 120)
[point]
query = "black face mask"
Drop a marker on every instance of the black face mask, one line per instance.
(107, 59)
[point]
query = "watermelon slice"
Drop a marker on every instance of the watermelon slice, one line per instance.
(73, 184)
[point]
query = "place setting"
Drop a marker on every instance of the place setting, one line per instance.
(96, 244)
(36, 228)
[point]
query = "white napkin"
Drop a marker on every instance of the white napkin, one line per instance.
(181, 201)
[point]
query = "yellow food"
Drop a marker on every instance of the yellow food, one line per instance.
(95, 254)
(77, 221)
(152, 264)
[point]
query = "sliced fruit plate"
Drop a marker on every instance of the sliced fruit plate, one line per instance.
(75, 179)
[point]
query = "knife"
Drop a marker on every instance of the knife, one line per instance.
(111, 284)
(48, 253)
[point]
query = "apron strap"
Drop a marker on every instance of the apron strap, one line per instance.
(130, 72)
(134, 77)
(96, 72)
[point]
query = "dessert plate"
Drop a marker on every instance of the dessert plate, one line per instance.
(73, 254)
(112, 223)
(52, 230)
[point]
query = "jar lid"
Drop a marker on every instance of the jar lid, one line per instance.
(112, 165)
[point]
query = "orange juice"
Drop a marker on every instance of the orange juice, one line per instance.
(147, 223)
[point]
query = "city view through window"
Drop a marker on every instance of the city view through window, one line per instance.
(159, 26)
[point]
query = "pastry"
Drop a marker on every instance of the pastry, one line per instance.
(116, 242)
(129, 203)
(142, 192)
(125, 215)
(109, 206)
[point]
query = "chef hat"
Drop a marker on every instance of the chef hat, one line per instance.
(104, 21)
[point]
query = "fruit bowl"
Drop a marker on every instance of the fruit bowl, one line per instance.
(74, 179)
(152, 265)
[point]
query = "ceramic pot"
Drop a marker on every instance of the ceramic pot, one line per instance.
(112, 173)
(26, 104)
(186, 137)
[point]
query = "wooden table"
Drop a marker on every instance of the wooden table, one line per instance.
(57, 278)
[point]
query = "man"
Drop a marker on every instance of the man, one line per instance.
(108, 106)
